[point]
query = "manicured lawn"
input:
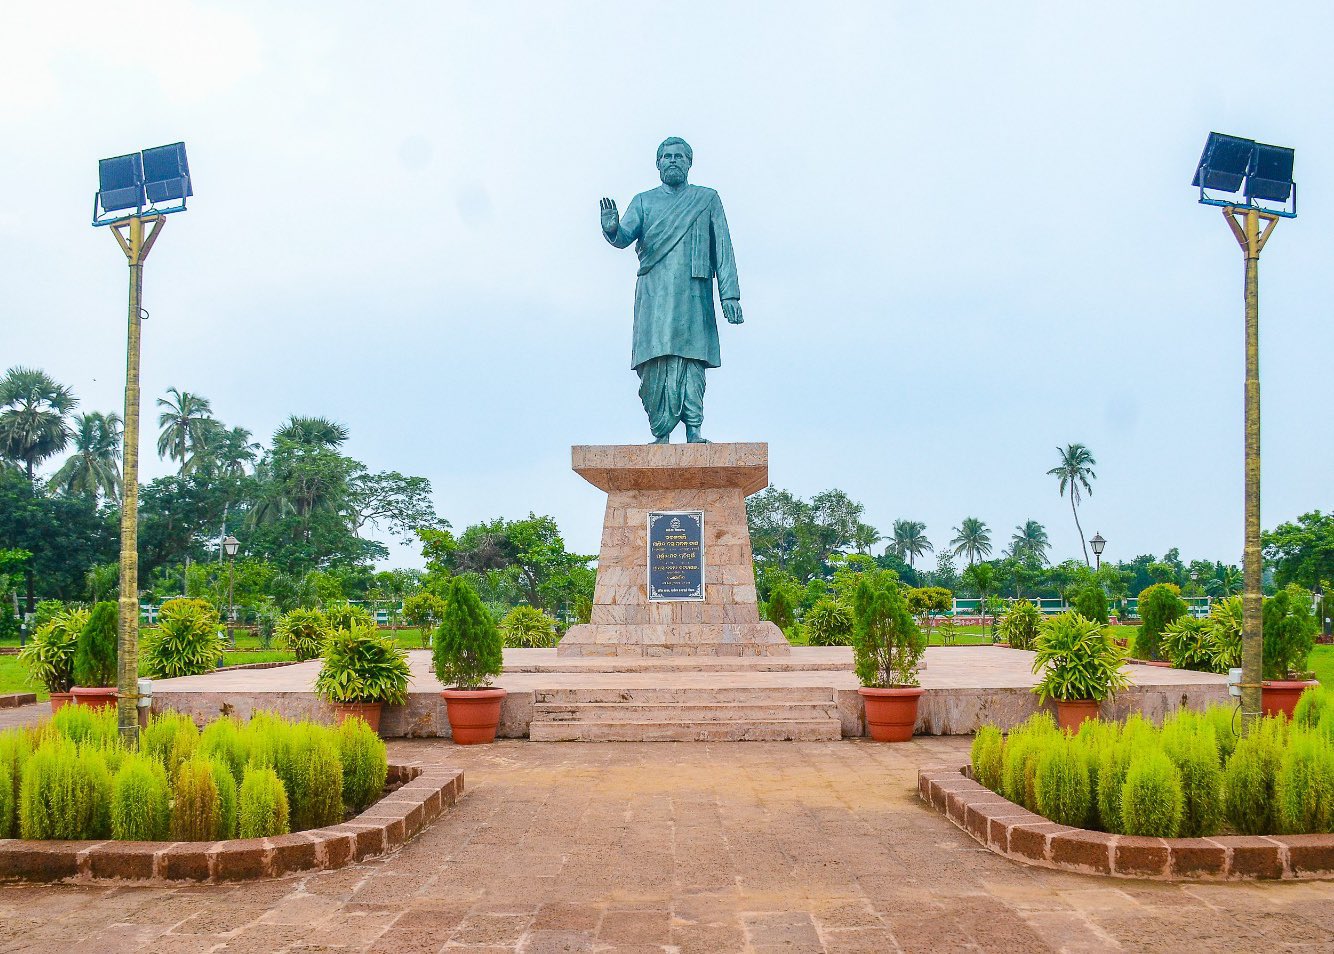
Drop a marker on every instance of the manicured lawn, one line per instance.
(242, 656)
(1322, 664)
(14, 678)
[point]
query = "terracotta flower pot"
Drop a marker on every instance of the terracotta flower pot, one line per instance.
(96, 697)
(1160, 663)
(1281, 695)
(59, 700)
(474, 714)
(370, 711)
(1071, 714)
(891, 714)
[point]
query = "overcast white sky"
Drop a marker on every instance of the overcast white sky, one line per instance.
(965, 235)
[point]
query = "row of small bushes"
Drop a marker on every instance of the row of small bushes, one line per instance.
(72, 778)
(1191, 777)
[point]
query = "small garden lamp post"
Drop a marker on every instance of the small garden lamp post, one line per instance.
(133, 191)
(1097, 543)
(229, 547)
(1251, 182)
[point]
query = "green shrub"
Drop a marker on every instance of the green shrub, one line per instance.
(1061, 782)
(140, 800)
(269, 741)
(226, 786)
(1250, 779)
(223, 740)
(95, 652)
(316, 792)
(360, 665)
(49, 654)
(829, 623)
(15, 749)
(1151, 799)
(262, 809)
(8, 804)
(1019, 626)
(887, 644)
(1113, 764)
(1224, 720)
(185, 642)
(467, 651)
(424, 610)
(1311, 706)
(778, 610)
(365, 764)
(171, 738)
(303, 631)
(1019, 758)
(66, 793)
(1188, 740)
(987, 753)
(526, 627)
(86, 725)
(1289, 633)
(1090, 602)
(1224, 628)
(1077, 659)
(1188, 643)
(344, 615)
(195, 812)
(1159, 605)
(1304, 788)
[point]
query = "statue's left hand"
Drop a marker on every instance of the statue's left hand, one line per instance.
(732, 311)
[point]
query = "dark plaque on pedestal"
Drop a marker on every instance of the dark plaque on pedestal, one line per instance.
(675, 555)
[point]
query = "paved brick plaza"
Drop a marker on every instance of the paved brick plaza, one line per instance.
(680, 846)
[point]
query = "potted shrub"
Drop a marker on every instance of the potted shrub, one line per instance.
(362, 671)
(49, 654)
(1082, 667)
(468, 654)
(95, 659)
(887, 648)
(187, 640)
(1289, 636)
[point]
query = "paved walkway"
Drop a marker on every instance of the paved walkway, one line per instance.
(680, 847)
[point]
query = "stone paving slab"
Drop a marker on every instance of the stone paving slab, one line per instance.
(680, 847)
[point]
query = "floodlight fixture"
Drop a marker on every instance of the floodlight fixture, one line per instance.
(1249, 172)
(142, 183)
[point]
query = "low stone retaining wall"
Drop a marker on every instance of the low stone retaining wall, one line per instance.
(414, 797)
(12, 700)
(1013, 831)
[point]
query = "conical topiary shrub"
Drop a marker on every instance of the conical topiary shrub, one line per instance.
(95, 654)
(468, 654)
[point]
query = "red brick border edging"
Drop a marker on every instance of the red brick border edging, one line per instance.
(1020, 835)
(416, 796)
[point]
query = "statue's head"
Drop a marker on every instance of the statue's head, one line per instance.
(674, 160)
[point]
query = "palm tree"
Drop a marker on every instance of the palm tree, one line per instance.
(910, 540)
(1075, 471)
(32, 416)
(865, 536)
(186, 423)
(93, 469)
(318, 431)
(972, 539)
(1030, 540)
(1226, 582)
(228, 451)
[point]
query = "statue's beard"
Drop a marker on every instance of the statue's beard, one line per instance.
(673, 176)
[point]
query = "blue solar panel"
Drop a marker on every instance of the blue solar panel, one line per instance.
(121, 182)
(166, 173)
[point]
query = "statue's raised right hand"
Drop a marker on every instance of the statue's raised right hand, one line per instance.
(611, 219)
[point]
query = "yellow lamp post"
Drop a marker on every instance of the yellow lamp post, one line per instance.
(148, 183)
(1257, 179)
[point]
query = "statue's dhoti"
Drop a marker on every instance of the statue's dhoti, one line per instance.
(672, 389)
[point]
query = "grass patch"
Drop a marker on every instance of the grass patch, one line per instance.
(14, 678)
(1322, 664)
(243, 656)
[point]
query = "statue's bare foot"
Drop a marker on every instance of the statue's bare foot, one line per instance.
(693, 437)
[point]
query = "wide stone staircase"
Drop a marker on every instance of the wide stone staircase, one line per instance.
(682, 714)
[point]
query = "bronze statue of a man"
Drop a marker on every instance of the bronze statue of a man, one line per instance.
(681, 238)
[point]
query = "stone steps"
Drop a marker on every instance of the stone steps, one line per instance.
(685, 714)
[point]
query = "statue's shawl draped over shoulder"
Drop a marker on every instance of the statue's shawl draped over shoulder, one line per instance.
(686, 216)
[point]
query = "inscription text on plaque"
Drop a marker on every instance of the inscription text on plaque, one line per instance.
(675, 555)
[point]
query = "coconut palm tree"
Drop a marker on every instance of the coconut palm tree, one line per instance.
(186, 424)
(33, 408)
(972, 539)
(865, 536)
(93, 468)
(1075, 471)
(1030, 540)
(313, 431)
(230, 450)
(909, 540)
(1226, 582)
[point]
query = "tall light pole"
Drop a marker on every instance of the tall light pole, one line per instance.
(229, 547)
(1097, 543)
(138, 182)
(1258, 178)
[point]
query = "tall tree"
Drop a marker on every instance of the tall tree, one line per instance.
(1030, 541)
(909, 541)
(1073, 472)
(401, 504)
(33, 408)
(312, 431)
(94, 466)
(972, 539)
(186, 424)
(229, 451)
(1302, 552)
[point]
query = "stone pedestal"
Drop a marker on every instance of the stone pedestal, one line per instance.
(639, 479)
